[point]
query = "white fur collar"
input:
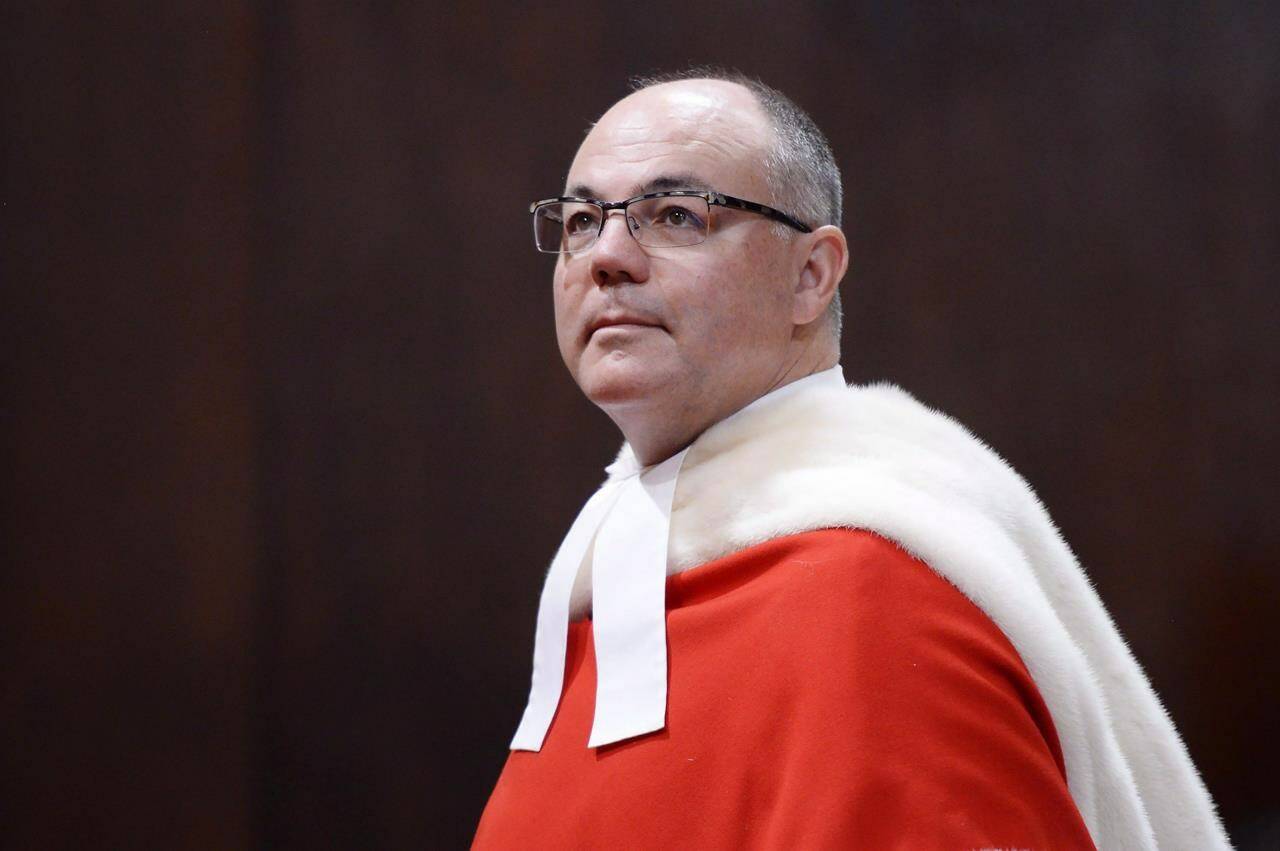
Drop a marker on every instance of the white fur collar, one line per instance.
(874, 458)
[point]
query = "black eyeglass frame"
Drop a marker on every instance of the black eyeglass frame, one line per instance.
(713, 199)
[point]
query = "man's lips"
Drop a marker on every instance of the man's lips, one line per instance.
(620, 320)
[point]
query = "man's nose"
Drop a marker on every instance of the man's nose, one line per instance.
(616, 258)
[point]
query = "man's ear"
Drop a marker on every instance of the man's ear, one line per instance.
(823, 267)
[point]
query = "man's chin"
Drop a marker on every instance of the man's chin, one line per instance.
(619, 381)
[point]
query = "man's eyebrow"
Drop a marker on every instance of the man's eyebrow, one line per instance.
(662, 183)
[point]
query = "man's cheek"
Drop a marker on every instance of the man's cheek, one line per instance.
(566, 340)
(717, 332)
(726, 314)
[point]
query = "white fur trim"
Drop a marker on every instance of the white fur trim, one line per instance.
(874, 458)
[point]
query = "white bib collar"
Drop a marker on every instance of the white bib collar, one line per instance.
(626, 526)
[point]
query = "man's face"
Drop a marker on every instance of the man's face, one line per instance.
(694, 330)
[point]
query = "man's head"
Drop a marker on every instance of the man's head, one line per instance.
(669, 340)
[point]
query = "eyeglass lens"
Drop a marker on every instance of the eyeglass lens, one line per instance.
(667, 221)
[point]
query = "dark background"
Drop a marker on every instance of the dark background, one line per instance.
(287, 445)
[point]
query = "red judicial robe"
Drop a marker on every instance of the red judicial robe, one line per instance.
(826, 690)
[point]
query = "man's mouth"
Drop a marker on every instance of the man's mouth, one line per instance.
(620, 321)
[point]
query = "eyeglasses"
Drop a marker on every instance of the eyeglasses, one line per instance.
(663, 219)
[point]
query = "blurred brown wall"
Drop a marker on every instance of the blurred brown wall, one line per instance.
(288, 446)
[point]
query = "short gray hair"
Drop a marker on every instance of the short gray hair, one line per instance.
(800, 169)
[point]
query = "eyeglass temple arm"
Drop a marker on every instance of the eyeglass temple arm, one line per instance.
(751, 206)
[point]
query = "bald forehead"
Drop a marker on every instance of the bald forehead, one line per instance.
(671, 111)
(710, 126)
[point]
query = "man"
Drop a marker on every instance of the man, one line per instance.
(797, 615)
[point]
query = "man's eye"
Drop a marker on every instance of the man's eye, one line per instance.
(677, 217)
(580, 222)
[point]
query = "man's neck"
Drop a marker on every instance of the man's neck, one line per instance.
(655, 435)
